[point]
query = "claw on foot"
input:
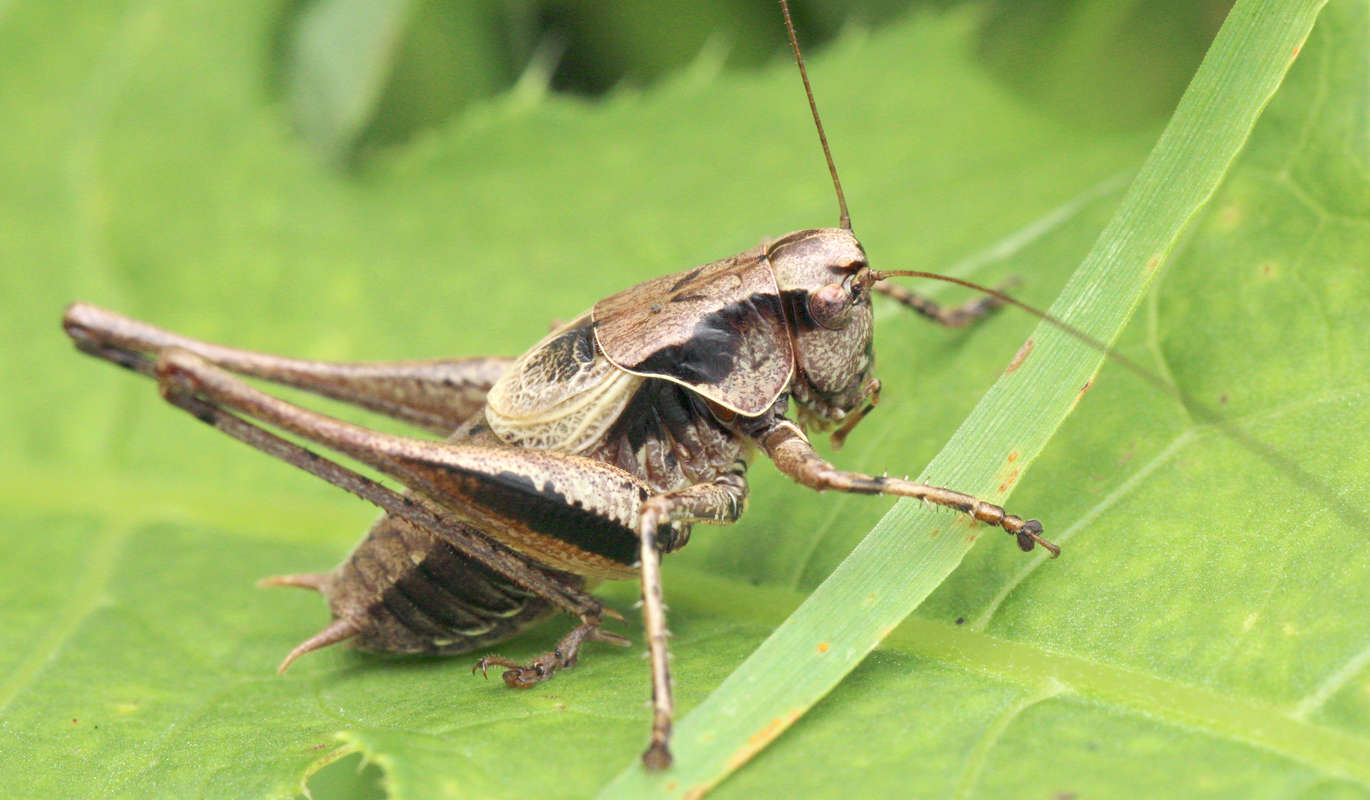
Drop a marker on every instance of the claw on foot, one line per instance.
(1031, 534)
(518, 676)
(565, 656)
(525, 677)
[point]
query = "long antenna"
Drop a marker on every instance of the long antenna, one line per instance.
(845, 221)
(1339, 505)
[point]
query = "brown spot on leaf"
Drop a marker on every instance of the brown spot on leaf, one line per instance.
(1298, 48)
(1011, 479)
(1230, 216)
(1013, 456)
(1080, 394)
(755, 744)
(823, 647)
(1019, 356)
(1153, 263)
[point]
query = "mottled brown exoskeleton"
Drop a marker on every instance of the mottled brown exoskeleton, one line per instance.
(583, 460)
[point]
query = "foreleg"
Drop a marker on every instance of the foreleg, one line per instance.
(794, 456)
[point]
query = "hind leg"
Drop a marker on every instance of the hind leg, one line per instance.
(437, 395)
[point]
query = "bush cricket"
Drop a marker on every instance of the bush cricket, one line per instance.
(585, 459)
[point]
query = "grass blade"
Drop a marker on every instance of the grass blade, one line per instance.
(911, 551)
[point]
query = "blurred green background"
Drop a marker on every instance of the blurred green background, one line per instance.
(360, 74)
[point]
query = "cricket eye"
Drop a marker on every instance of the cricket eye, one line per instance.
(831, 306)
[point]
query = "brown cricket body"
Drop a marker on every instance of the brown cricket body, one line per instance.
(583, 460)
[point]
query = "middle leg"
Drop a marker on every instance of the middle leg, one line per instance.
(961, 316)
(717, 503)
(564, 656)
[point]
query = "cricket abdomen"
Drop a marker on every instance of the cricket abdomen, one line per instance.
(407, 591)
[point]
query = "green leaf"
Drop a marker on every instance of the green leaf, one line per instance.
(858, 606)
(340, 54)
(360, 72)
(1207, 615)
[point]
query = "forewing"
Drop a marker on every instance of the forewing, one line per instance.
(718, 329)
(561, 395)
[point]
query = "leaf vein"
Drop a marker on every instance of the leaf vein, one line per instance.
(1332, 684)
(1112, 499)
(85, 597)
(975, 762)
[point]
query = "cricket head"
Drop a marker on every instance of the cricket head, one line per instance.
(825, 283)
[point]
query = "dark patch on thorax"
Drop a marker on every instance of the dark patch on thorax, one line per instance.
(717, 342)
